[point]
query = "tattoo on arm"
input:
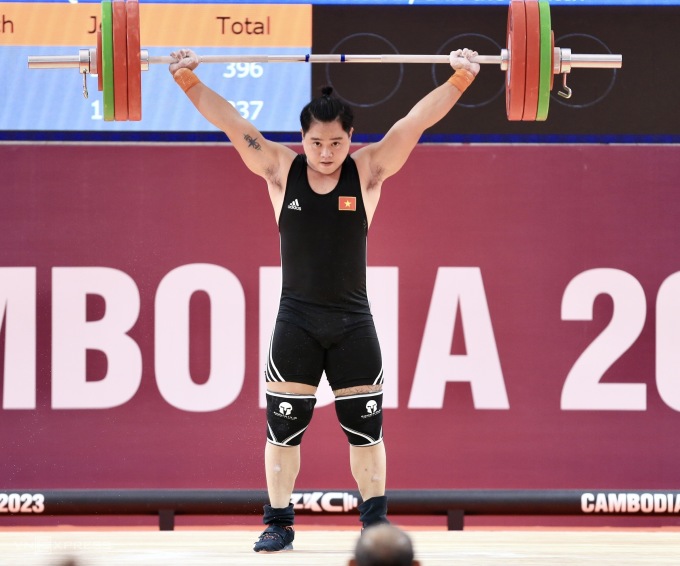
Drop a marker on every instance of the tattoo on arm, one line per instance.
(252, 142)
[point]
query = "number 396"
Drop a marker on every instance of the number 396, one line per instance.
(243, 70)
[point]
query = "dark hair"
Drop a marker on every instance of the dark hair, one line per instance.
(326, 108)
(384, 545)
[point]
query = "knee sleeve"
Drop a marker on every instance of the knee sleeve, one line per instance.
(360, 416)
(288, 416)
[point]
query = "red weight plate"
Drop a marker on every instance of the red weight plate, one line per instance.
(120, 64)
(100, 76)
(134, 63)
(517, 52)
(533, 67)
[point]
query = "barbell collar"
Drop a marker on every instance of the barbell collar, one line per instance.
(144, 59)
(93, 61)
(505, 60)
(84, 61)
(565, 60)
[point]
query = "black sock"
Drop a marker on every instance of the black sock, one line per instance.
(283, 517)
(373, 511)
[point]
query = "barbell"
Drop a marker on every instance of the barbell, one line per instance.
(530, 60)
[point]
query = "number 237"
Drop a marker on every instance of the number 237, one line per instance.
(249, 109)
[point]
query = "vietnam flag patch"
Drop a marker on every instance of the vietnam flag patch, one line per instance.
(347, 203)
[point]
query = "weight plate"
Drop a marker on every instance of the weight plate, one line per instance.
(552, 59)
(120, 72)
(533, 66)
(107, 60)
(516, 46)
(546, 61)
(134, 63)
(100, 75)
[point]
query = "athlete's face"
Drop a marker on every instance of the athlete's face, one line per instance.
(326, 146)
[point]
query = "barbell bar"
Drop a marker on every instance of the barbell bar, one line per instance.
(530, 60)
(568, 62)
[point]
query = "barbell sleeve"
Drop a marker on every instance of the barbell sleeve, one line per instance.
(53, 61)
(581, 61)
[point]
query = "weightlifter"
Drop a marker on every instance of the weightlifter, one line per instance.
(324, 200)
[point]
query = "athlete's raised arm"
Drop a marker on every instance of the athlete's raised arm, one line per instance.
(384, 158)
(261, 156)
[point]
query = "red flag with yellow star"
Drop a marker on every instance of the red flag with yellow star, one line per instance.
(347, 203)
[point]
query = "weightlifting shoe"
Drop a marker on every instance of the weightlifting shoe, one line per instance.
(275, 539)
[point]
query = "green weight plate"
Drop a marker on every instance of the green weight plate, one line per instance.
(107, 60)
(546, 61)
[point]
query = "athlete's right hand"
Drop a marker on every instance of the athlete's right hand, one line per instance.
(184, 58)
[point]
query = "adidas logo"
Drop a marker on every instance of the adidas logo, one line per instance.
(295, 205)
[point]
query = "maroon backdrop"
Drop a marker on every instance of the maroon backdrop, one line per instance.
(522, 242)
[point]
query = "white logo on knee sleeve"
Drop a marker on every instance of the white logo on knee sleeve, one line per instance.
(285, 408)
(372, 407)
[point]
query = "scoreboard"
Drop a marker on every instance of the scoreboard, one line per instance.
(52, 99)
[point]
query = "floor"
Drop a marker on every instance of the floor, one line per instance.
(331, 547)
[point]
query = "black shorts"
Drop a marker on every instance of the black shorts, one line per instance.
(347, 349)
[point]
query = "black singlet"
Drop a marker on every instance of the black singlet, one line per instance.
(324, 321)
(323, 244)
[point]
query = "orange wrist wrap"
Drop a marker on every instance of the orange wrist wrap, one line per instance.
(461, 79)
(186, 78)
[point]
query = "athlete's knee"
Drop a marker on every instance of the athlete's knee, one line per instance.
(360, 416)
(357, 389)
(288, 416)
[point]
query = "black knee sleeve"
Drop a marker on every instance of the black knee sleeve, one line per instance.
(360, 416)
(288, 416)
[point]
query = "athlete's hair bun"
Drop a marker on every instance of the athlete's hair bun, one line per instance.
(326, 108)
